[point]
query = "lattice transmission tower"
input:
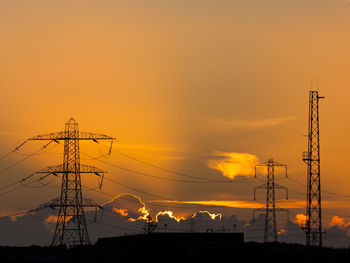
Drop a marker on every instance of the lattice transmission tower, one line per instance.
(313, 226)
(270, 208)
(71, 229)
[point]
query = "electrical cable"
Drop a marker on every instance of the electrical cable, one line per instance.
(206, 181)
(25, 158)
(26, 212)
(176, 172)
(324, 191)
(15, 150)
(21, 184)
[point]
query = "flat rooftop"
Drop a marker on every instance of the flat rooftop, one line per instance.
(173, 238)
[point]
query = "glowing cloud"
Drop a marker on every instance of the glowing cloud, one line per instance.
(212, 216)
(281, 232)
(233, 164)
(170, 214)
(135, 212)
(145, 214)
(338, 221)
(122, 212)
(53, 219)
(300, 219)
(223, 203)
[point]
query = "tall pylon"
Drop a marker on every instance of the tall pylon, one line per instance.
(313, 226)
(270, 208)
(71, 229)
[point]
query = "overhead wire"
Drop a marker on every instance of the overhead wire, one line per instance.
(25, 158)
(13, 151)
(176, 172)
(20, 182)
(47, 150)
(324, 191)
(25, 212)
(204, 181)
(119, 183)
(134, 189)
(40, 182)
(17, 182)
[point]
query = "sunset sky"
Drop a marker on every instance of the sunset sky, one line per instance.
(202, 88)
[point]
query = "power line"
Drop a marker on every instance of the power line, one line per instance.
(14, 150)
(26, 212)
(204, 181)
(134, 189)
(21, 185)
(168, 170)
(17, 182)
(177, 172)
(323, 191)
(25, 158)
(42, 152)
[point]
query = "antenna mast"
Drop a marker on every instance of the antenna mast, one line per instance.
(313, 227)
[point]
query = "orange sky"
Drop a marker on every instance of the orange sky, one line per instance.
(176, 82)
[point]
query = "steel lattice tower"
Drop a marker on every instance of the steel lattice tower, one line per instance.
(313, 227)
(71, 228)
(270, 208)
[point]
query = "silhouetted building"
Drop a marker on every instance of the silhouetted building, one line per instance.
(173, 245)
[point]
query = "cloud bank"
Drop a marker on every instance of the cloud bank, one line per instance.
(127, 214)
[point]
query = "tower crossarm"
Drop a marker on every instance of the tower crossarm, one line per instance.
(86, 203)
(94, 136)
(64, 135)
(57, 169)
(48, 136)
(270, 163)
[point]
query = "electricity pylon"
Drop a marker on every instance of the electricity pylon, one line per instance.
(71, 228)
(313, 226)
(270, 208)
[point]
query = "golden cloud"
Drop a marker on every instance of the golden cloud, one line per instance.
(338, 221)
(300, 219)
(232, 164)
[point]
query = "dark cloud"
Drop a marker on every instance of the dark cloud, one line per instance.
(125, 214)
